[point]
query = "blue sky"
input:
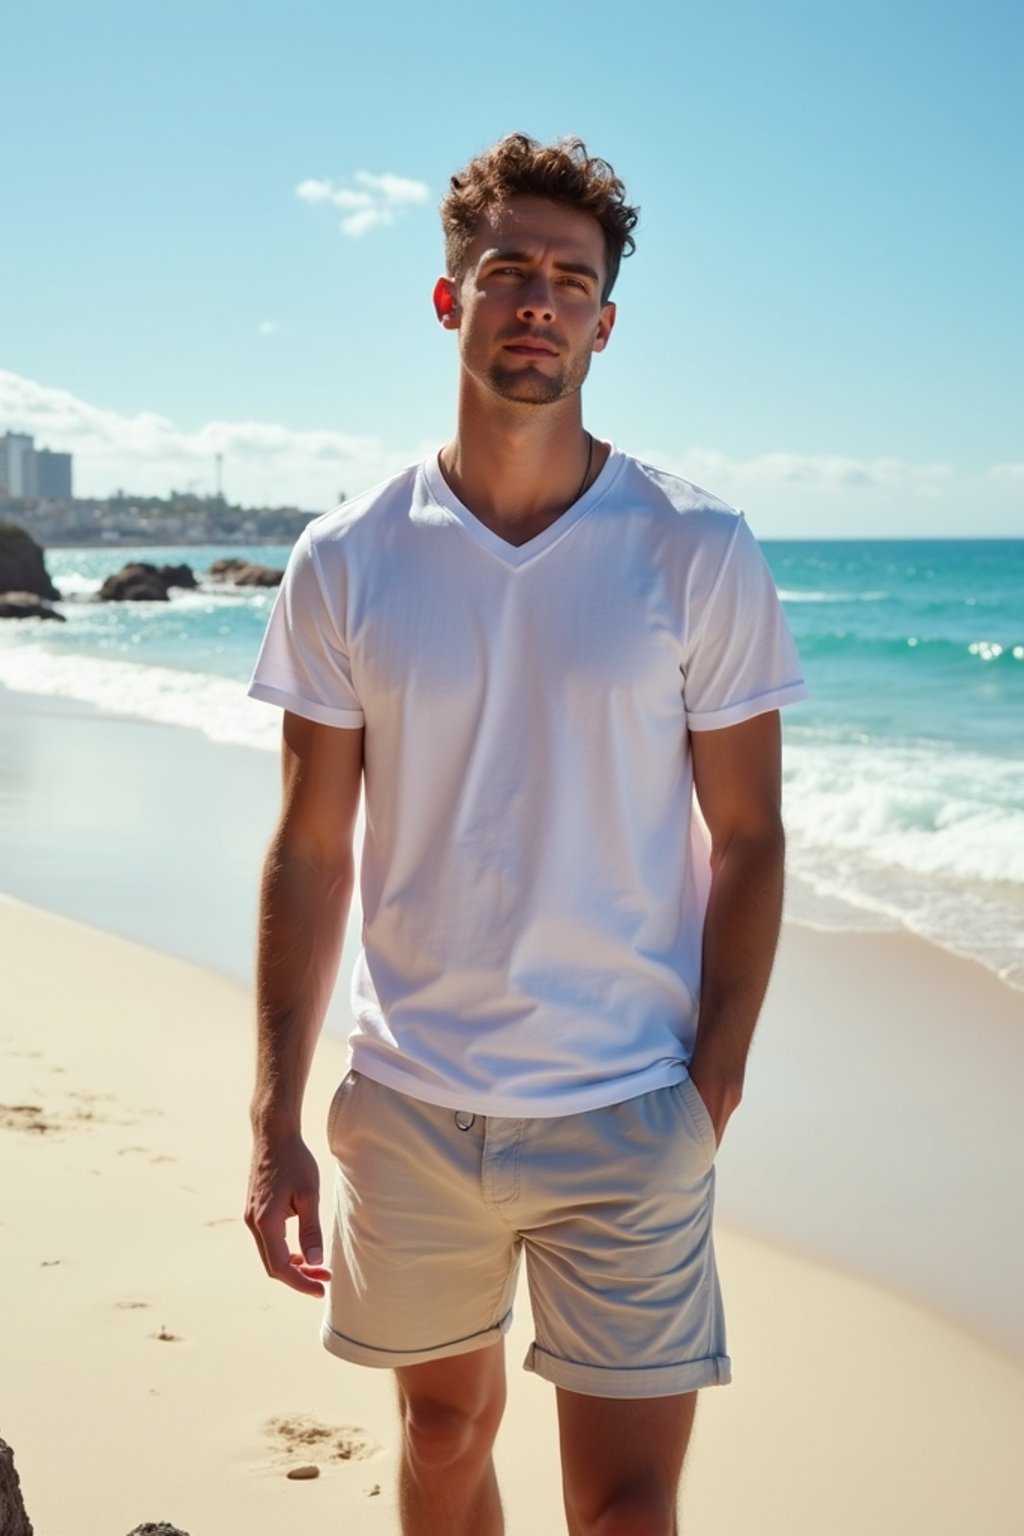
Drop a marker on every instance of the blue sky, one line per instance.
(823, 323)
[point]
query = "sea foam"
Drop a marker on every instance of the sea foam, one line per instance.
(915, 837)
(216, 706)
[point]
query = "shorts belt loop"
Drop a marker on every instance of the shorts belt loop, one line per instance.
(464, 1120)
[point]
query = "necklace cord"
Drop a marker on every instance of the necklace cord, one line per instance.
(586, 472)
(583, 482)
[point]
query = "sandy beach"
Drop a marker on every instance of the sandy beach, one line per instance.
(870, 1188)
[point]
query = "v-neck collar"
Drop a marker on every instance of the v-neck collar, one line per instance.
(516, 555)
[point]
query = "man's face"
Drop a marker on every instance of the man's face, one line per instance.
(528, 306)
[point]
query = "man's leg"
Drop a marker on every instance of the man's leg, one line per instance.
(621, 1462)
(451, 1410)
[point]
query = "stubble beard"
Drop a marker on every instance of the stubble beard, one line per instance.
(530, 386)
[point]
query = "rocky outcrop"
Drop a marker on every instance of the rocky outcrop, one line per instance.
(237, 572)
(136, 582)
(179, 576)
(160, 1529)
(140, 582)
(22, 565)
(13, 1519)
(25, 605)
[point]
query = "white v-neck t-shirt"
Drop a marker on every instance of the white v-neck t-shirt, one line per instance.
(533, 878)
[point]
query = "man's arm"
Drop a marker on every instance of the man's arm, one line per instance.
(304, 902)
(738, 779)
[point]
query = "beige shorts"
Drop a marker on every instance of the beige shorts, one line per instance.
(613, 1209)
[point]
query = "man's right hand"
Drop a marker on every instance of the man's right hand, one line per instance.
(304, 899)
(284, 1182)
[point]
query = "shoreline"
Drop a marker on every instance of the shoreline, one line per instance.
(806, 906)
(819, 537)
(957, 914)
(128, 1266)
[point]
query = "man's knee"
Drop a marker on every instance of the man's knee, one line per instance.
(446, 1425)
(629, 1511)
(438, 1436)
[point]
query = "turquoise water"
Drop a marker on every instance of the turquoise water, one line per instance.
(904, 778)
(904, 784)
(914, 640)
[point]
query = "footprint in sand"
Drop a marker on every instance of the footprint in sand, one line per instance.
(129, 1306)
(96, 1107)
(165, 1335)
(40, 1121)
(154, 1157)
(303, 1444)
(25, 1117)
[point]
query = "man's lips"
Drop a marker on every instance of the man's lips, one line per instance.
(529, 347)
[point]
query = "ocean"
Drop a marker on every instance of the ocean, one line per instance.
(904, 782)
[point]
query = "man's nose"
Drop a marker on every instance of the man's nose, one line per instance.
(537, 302)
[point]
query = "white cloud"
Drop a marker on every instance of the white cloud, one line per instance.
(786, 494)
(791, 495)
(815, 472)
(327, 192)
(360, 223)
(374, 201)
(397, 189)
(264, 463)
(312, 191)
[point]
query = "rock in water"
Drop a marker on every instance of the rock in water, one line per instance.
(22, 566)
(13, 1519)
(25, 605)
(179, 576)
(140, 582)
(136, 582)
(236, 572)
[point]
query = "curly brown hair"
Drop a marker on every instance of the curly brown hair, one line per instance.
(564, 173)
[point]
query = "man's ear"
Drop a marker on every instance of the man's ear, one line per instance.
(605, 325)
(446, 306)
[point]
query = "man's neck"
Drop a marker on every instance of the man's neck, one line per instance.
(519, 469)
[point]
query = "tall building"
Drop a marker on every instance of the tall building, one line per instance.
(27, 473)
(17, 465)
(53, 475)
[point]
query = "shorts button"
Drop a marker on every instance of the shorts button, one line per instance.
(463, 1119)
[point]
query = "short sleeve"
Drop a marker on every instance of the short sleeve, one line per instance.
(740, 658)
(303, 664)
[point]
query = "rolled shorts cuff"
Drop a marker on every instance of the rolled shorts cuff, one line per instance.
(629, 1381)
(391, 1359)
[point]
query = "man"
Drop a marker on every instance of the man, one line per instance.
(530, 649)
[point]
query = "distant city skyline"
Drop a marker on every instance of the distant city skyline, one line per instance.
(27, 471)
(264, 464)
(822, 323)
